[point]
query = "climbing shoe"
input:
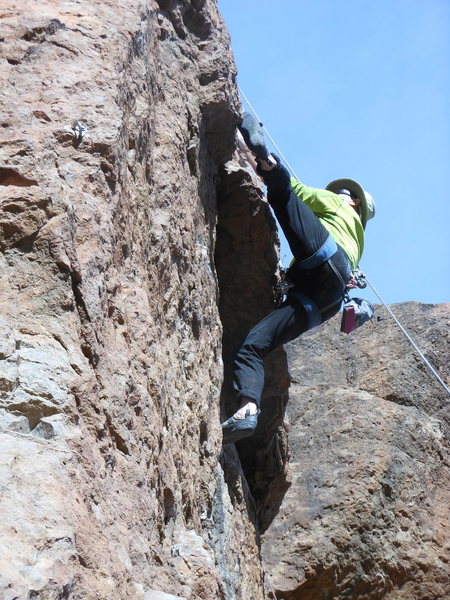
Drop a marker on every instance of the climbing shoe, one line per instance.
(252, 132)
(235, 429)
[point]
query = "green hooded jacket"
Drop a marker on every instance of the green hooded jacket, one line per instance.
(339, 218)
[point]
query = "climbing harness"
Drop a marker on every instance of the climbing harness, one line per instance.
(358, 278)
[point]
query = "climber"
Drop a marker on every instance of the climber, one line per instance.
(325, 232)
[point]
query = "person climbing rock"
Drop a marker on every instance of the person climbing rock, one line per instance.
(325, 232)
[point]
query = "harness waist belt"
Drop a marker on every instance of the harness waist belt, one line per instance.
(325, 252)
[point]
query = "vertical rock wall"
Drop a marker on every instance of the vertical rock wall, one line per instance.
(115, 118)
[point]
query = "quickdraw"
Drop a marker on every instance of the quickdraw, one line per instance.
(358, 279)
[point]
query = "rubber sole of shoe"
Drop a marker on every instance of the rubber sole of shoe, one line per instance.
(252, 132)
(234, 429)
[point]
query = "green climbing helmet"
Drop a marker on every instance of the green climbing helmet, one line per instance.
(367, 202)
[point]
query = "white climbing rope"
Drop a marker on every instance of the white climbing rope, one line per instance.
(402, 329)
(411, 341)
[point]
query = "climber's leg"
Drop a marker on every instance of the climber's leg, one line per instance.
(303, 229)
(279, 327)
(282, 325)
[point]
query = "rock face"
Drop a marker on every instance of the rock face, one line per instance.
(116, 120)
(136, 249)
(366, 513)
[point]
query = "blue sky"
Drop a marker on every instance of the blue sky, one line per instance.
(361, 89)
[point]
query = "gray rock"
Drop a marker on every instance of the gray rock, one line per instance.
(364, 513)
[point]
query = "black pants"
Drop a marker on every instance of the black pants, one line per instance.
(323, 285)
